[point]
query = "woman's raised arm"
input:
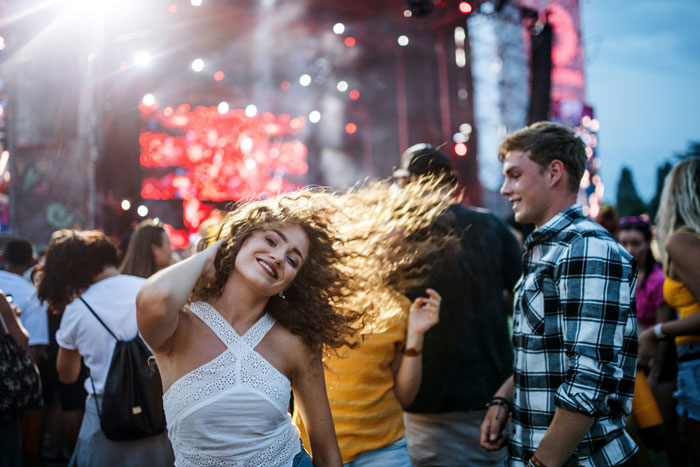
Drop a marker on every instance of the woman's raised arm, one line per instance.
(163, 295)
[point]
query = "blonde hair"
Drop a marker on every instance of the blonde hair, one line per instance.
(365, 245)
(680, 202)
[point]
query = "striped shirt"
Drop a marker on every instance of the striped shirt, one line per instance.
(575, 338)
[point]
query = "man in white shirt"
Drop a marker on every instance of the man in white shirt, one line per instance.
(17, 258)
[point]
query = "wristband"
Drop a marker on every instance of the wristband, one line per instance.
(501, 401)
(658, 333)
(535, 462)
(411, 352)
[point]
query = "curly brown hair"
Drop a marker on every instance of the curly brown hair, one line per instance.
(73, 259)
(365, 246)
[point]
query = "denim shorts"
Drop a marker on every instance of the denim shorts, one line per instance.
(393, 455)
(688, 393)
(302, 459)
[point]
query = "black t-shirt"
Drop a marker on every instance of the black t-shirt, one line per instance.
(468, 354)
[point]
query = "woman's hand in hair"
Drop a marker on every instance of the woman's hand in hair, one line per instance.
(209, 253)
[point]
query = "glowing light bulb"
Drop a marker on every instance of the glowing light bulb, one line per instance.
(197, 65)
(251, 110)
(338, 28)
(305, 80)
(149, 99)
(314, 116)
(403, 41)
(223, 107)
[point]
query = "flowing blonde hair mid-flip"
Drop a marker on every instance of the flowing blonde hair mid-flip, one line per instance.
(366, 245)
(680, 202)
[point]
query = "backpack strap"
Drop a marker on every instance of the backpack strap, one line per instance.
(2, 320)
(94, 391)
(98, 318)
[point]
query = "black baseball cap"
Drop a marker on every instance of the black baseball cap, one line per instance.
(423, 159)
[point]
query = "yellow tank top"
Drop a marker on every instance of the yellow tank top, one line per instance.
(679, 297)
(360, 385)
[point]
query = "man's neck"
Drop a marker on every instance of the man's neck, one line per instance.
(15, 269)
(560, 203)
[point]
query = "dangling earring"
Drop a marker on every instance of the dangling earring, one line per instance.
(282, 296)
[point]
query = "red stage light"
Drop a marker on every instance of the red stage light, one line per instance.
(350, 128)
(461, 149)
(465, 7)
(219, 76)
(350, 41)
(284, 85)
(220, 159)
(172, 8)
(354, 94)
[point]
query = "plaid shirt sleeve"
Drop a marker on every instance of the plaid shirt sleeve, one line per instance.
(596, 290)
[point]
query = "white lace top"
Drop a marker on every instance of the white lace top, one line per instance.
(232, 411)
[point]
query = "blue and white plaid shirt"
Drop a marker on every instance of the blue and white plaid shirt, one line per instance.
(575, 338)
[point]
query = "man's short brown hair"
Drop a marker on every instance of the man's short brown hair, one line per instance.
(544, 142)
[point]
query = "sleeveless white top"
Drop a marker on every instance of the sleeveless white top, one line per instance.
(232, 411)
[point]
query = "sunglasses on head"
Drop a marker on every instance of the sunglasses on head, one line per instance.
(635, 221)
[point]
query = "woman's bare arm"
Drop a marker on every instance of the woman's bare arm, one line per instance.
(14, 325)
(164, 294)
(310, 396)
(68, 365)
(408, 370)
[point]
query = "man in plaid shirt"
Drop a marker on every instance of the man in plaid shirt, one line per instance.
(574, 322)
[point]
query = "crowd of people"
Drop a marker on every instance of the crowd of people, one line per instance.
(383, 325)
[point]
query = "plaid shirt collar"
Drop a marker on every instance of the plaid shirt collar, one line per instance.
(554, 225)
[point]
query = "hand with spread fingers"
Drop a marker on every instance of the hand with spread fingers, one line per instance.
(425, 313)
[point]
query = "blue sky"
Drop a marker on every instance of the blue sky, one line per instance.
(643, 80)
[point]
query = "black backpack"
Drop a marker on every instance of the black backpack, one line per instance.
(132, 401)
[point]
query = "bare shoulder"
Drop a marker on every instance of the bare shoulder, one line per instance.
(681, 244)
(291, 352)
(289, 342)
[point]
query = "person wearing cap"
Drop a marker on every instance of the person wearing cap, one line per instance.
(467, 355)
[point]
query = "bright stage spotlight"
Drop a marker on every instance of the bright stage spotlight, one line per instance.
(338, 28)
(142, 58)
(251, 111)
(142, 210)
(305, 80)
(126, 205)
(315, 116)
(342, 86)
(149, 99)
(223, 107)
(403, 41)
(197, 65)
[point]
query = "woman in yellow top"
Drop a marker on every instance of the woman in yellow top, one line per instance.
(370, 382)
(678, 233)
(369, 385)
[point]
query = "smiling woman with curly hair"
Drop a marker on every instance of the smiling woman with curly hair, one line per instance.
(238, 325)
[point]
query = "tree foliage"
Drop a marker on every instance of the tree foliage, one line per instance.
(628, 201)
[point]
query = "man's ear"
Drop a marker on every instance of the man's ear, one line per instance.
(556, 171)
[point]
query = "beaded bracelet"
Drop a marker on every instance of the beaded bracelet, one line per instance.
(502, 402)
